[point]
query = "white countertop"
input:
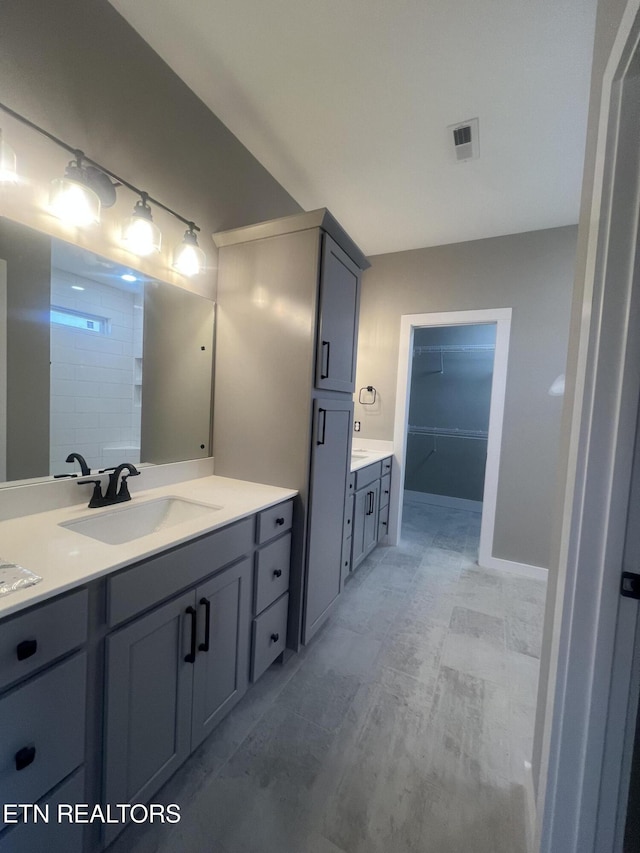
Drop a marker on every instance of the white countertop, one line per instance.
(362, 458)
(65, 559)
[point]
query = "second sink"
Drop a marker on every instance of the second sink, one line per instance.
(135, 520)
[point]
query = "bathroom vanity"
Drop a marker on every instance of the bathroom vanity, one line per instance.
(112, 679)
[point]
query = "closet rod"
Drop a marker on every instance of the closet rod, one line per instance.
(476, 434)
(421, 350)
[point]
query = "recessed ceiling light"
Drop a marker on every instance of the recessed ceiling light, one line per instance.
(76, 287)
(128, 277)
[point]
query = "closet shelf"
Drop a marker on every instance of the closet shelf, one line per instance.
(446, 348)
(477, 434)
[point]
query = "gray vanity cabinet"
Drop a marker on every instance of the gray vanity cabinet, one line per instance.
(286, 335)
(371, 509)
(329, 472)
(171, 675)
(338, 319)
(365, 522)
(221, 664)
(148, 704)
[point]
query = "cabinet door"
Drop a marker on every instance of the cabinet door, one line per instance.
(148, 703)
(359, 515)
(338, 321)
(371, 516)
(221, 669)
(329, 470)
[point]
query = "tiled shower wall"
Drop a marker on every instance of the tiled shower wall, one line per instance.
(96, 377)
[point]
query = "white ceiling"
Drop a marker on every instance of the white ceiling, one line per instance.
(346, 103)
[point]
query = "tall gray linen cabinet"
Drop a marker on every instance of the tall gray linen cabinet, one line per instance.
(286, 338)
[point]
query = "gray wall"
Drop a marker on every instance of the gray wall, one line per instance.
(533, 274)
(451, 391)
(28, 257)
(79, 70)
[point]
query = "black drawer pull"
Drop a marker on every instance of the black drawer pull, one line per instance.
(386, 491)
(275, 638)
(191, 657)
(277, 573)
(25, 756)
(279, 522)
(26, 649)
(204, 647)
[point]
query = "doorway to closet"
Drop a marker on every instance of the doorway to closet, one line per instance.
(449, 406)
(439, 422)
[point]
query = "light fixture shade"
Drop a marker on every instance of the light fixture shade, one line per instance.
(140, 234)
(8, 163)
(73, 202)
(188, 257)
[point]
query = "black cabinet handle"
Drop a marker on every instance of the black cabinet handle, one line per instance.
(370, 496)
(386, 491)
(191, 611)
(324, 371)
(24, 757)
(204, 647)
(322, 413)
(277, 573)
(275, 638)
(279, 521)
(26, 649)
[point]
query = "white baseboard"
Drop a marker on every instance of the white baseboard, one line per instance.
(443, 500)
(530, 816)
(523, 569)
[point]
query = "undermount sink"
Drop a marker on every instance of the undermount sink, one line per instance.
(358, 454)
(125, 523)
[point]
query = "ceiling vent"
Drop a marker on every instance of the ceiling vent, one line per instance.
(465, 140)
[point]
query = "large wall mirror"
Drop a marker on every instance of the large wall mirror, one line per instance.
(96, 359)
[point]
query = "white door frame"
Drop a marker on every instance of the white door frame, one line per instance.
(593, 671)
(408, 324)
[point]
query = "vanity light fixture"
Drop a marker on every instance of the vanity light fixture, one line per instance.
(140, 234)
(72, 199)
(87, 187)
(188, 257)
(8, 163)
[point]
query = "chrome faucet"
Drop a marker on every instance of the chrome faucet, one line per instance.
(113, 494)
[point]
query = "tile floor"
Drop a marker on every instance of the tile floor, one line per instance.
(403, 728)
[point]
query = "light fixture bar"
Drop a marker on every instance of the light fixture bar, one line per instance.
(77, 153)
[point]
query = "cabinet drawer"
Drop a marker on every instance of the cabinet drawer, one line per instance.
(351, 483)
(367, 475)
(42, 634)
(269, 636)
(53, 837)
(387, 465)
(385, 486)
(42, 725)
(348, 517)
(139, 588)
(272, 572)
(383, 522)
(273, 521)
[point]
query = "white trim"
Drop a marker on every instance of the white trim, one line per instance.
(408, 323)
(530, 817)
(524, 570)
(442, 500)
(581, 801)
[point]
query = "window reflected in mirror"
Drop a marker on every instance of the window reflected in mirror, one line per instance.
(96, 360)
